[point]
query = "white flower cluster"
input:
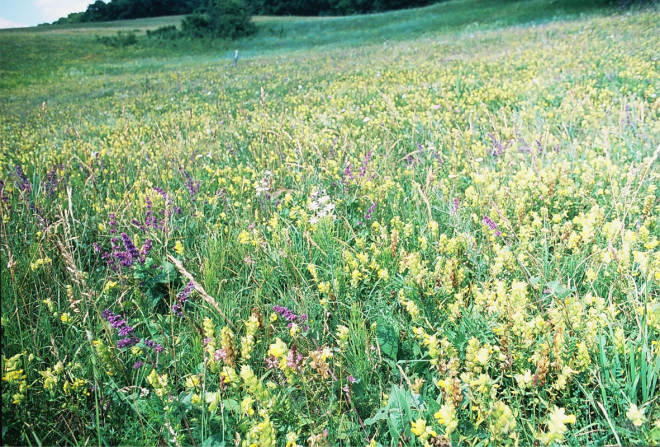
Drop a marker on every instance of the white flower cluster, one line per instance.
(263, 186)
(322, 207)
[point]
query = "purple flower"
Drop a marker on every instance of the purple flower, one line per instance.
(150, 218)
(125, 330)
(3, 195)
(97, 247)
(220, 354)
(371, 209)
(492, 225)
(498, 148)
(146, 248)
(127, 342)
(112, 223)
(193, 187)
(271, 363)
(456, 204)
(365, 162)
(351, 379)
(51, 182)
(139, 225)
(293, 359)
(182, 298)
(137, 365)
(347, 173)
(23, 183)
(161, 191)
(286, 313)
(153, 345)
(117, 322)
(184, 295)
(130, 247)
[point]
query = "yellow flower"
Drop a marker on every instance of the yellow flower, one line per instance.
(291, 439)
(246, 406)
(447, 416)
(419, 427)
(178, 247)
(278, 349)
(557, 421)
(192, 382)
(636, 415)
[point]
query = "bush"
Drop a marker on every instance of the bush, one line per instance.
(196, 26)
(121, 40)
(164, 32)
(225, 19)
(231, 19)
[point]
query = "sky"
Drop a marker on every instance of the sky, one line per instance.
(20, 13)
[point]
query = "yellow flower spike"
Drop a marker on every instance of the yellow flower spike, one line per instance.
(278, 349)
(636, 415)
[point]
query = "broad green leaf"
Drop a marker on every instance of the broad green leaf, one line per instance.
(388, 339)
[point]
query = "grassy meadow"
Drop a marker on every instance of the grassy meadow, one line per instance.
(429, 227)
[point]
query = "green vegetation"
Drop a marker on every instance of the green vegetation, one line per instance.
(436, 226)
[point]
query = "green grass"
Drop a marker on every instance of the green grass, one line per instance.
(75, 45)
(491, 273)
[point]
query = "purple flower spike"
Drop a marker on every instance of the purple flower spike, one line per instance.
(127, 342)
(153, 345)
(23, 183)
(365, 163)
(492, 225)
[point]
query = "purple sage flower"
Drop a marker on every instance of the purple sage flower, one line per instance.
(365, 162)
(127, 342)
(153, 345)
(492, 225)
(22, 181)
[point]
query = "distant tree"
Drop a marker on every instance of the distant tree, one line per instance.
(226, 19)
(231, 19)
(74, 17)
(194, 25)
(99, 11)
(330, 7)
(95, 12)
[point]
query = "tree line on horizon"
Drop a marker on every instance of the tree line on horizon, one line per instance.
(100, 11)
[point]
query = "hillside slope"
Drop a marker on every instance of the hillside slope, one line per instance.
(32, 53)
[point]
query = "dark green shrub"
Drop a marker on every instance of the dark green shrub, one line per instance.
(121, 40)
(196, 26)
(231, 19)
(225, 19)
(164, 33)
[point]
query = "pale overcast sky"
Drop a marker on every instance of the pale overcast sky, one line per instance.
(16, 13)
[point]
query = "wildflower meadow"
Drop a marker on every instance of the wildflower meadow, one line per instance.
(443, 238)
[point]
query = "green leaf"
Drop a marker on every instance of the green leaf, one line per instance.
(232, 405)
(535, 280)
(388, 339)
(214, 440)
(558, 290)
(399, 412)
(381, 415)
(168, 273)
